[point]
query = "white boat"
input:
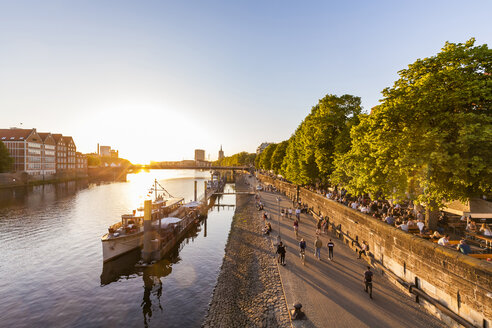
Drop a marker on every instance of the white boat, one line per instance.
(127, 235)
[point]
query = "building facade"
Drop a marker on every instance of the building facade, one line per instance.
(80, 162)
(199, 155)
(61, 152)
(48, 153)
(71, 150)
(105, 151)
(25, 147)
(262, 147)
(40, 153)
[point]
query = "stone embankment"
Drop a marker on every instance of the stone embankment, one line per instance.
(249, 291)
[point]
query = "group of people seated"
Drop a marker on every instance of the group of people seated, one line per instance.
(471, 226)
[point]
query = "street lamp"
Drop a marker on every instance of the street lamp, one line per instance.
(278, 216)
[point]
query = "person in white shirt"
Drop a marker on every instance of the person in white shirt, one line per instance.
(486, 230)
(444, 241)
(421, 225)
(403, 226)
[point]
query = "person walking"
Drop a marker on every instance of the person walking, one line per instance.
(317, 248)
(298, 214)
(302, 250)
(318, 227)
(281, 253)
(368, 281)
(296, 227)
(330, 245)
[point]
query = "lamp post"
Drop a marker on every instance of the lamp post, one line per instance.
(278, 216)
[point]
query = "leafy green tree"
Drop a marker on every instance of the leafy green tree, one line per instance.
(266, 156)
(93, 160)
(320, 138)
(290, 164)
(278, 157)
(239, 159)
(5, 160)
(430, 139)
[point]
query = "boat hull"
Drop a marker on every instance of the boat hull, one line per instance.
(115, 247)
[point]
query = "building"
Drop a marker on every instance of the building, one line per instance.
(61, 153)
(199, 155)
(71, 150)
(48, 153)
(262, 147)
(105, 151)
(113, 153)
(80, 162)
(25, 147)
(221, 153)
(40, 153)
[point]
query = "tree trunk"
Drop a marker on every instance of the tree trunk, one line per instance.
(431, 216)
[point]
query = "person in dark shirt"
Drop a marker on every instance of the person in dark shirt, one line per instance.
(302, 248)
(281, 253)
(463, 247)
(330, 245)
(368, 281)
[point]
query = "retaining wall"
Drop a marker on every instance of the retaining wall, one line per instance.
(461, 283)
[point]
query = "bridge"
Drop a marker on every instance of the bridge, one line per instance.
(188, 167)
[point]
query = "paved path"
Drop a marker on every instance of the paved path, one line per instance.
(332, 292)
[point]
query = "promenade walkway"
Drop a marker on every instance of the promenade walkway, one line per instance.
(332, 292)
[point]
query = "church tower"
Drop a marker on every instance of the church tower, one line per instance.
(221, 153)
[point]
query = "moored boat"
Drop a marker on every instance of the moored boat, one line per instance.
(127, 235)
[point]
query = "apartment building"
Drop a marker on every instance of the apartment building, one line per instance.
(70, 152)
(48, 153)
(25, 147)
(80, 162)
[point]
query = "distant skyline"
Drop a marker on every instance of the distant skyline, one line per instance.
(157, 80)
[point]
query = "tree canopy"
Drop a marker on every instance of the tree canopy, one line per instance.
(239, 159)
(265, 160)
(5, 159)
(430, 139)
(320, 138)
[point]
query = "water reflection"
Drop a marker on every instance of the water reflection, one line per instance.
(51, 258)
(35, 196)
(123, 268)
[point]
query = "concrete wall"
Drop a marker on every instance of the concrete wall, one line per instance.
(461, 283)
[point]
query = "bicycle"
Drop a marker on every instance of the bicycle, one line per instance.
(302, 255)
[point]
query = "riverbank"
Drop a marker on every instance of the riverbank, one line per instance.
(249, 291)
(17, 180)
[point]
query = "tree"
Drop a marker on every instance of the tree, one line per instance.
(430, 139)
(239, 159)
(266, 156)
(278, 157)
(320, 138)
(5, 160)
(93, 160)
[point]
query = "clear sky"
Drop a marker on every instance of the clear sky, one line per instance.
(157, 79)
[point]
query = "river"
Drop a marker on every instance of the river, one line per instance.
(51, 269)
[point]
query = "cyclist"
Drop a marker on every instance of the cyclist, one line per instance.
(302, 249)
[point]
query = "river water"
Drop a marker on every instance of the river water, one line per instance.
(51, 269)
